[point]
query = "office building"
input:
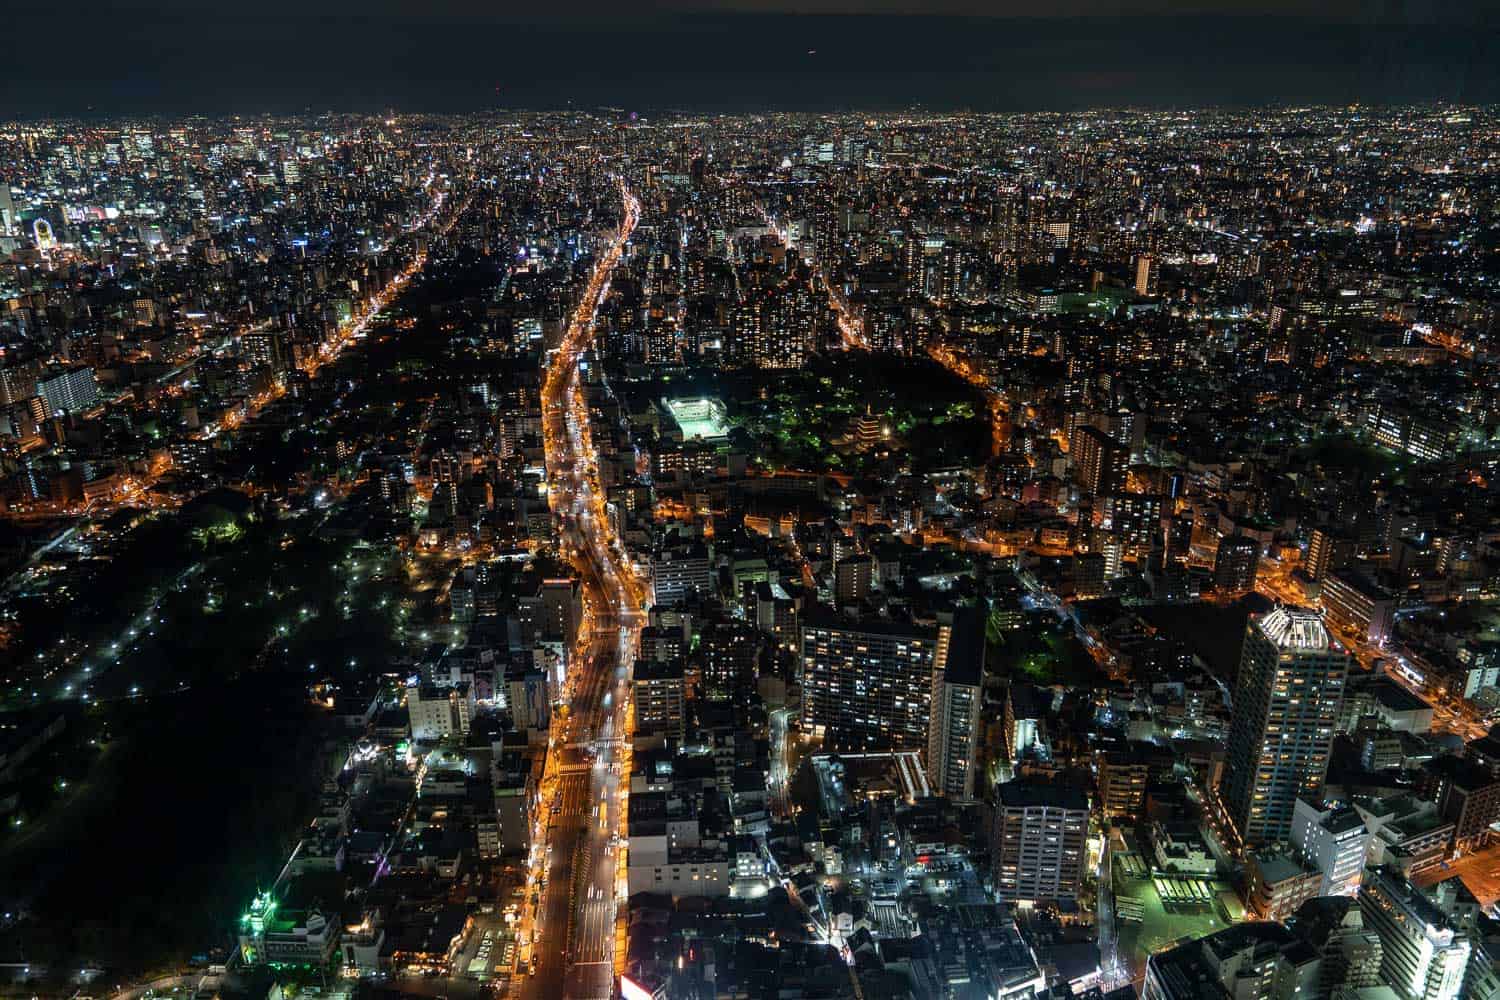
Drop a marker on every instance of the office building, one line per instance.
(727, 651)
(681, 572)
(271, 934)
(1099, 462)
(265, 347)
(659, 690)
(1286, 707)
(1468, 793)
(1428, 437)
(528, 698)
(957, 696)
(1328, 550)
(660, 643)
(1423, 954)
(438, 713)
(867, 685)
(1277, 883)
(514, 788)
(853, 579)
(1334, 927)
(17, 384)
(1123, 775)
(1090, 575)
(1038, 840)
(1355, 604)
(1407, 833)
(562, 611)
(1482, 982)
(1235, 564)
(1333, 840)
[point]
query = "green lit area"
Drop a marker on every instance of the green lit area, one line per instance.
(802, 420)
(1161, 923)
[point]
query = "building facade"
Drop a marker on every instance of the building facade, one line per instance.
(1423, 955)
(867, 685)
(957, 697)
(1286, 706)
(1039, 841)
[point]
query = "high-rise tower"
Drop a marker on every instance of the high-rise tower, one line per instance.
(1286, 703)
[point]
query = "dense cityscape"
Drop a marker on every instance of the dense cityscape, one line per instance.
(910, 555)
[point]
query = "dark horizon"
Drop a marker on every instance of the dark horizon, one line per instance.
(122, 63)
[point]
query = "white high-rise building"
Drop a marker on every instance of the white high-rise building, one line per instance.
(957, 697)
(1423, 956)
(1333, 840)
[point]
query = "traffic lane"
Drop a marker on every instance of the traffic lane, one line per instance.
(564, 830)
(568, 830)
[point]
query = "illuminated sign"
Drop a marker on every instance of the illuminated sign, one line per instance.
(631, 990)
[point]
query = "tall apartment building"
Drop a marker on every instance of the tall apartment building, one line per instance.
(1423, 954)
(1286, 706)
(1145, 276)
(778, 328)
(957, 695)
(1099, 462)
(867, 685)
(69, 390)
(1038, 842)
(1135, 518)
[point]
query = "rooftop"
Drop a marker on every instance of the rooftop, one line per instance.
(1295, 628)
(700, 417)
(1021, 794)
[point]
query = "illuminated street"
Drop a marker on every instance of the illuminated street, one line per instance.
(583, 797)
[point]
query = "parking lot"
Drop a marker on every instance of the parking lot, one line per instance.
(489, 953)
(1192, 911)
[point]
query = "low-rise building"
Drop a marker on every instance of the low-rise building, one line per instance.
(1261, 960)
(1277, 884)
(1354, 603)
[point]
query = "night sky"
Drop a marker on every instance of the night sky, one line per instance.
(179, 56)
